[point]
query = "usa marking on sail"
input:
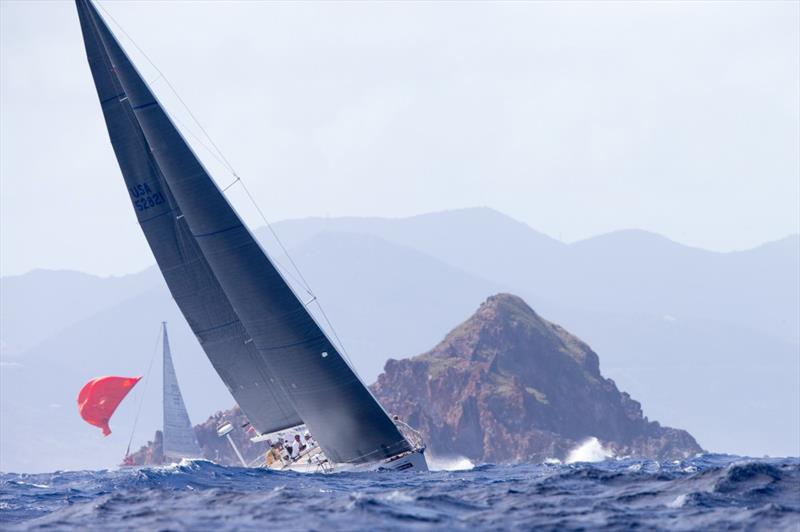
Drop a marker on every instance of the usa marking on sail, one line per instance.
(144, 198)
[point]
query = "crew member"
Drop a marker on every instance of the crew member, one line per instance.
(287, 444)
(270, 456)
(297, 447)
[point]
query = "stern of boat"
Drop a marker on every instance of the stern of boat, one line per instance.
(411, 461)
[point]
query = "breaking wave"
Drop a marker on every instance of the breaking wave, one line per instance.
(725, 492)
(589, 451)
(449, 463)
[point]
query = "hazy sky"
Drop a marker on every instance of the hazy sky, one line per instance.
(576, 118)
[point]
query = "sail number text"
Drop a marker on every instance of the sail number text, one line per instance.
(144, 197)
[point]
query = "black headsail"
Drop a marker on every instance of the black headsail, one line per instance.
(347, 421)
(189, 277)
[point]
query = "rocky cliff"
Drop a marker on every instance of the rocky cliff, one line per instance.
(504, 386)
(509, 386)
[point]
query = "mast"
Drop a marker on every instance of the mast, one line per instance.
(344, 417)
(180, 440)
(188, 275)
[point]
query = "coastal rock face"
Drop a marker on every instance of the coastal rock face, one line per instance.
(509, 386)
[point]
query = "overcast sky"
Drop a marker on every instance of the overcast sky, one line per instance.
(576, 118)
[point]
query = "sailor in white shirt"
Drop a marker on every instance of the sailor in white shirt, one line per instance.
(297, 447)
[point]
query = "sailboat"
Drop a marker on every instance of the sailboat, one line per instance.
(178, 440)
(275, 359)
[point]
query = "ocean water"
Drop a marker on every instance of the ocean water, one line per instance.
(707, 492)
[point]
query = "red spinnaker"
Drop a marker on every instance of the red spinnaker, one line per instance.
(100, 397)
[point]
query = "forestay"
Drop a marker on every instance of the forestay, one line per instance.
(189, 277)
(345, 418)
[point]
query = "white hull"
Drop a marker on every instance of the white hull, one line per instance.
(412, 461)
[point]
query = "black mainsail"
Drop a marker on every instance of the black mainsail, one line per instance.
(179, 437)
(291, 352)
(190, 279)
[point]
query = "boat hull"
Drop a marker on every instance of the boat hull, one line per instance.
(412, 461)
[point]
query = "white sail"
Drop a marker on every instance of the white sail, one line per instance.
(179, 437)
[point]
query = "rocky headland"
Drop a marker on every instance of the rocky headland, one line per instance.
(504, 386)
(509, 386)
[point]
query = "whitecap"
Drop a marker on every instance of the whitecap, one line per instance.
(449, 463)
(679, 501)
(399, 496)
(32, 484)
(590, 450)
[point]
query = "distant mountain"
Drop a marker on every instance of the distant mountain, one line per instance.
(629, 272)
(391, 287)
(40, 303)
(508, 386)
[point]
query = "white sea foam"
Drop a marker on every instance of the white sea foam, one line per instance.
(590, 450)
(449, 463)
(398, 496)
(33, 484)
(679, 501)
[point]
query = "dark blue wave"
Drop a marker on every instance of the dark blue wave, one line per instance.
(705, 492)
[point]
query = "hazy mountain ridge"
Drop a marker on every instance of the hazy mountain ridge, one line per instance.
(629, 271)
(41, 303)
(393, 292)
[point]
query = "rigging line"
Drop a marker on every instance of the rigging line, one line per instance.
(172, 88)
(222, 159)
(144, 389)
(219, 156)
(338, 340)
(294, 278)
(304, 283)
(203, 144)
(232, 183)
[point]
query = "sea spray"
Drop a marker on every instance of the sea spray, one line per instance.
(449, 463)
(590, 450)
